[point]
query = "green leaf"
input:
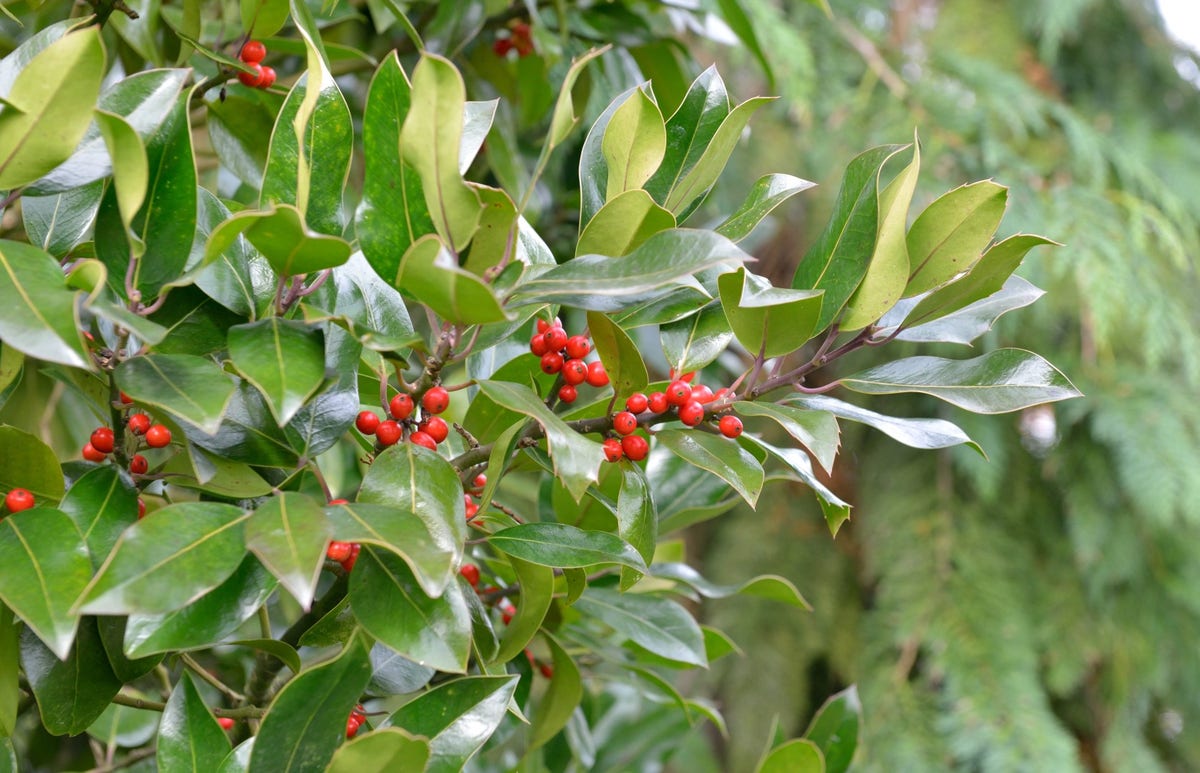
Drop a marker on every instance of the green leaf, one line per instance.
(392, 607)
(969, 323)
(48, 108)
(562, 545)
(381, 751)
(735, 16)
(915, 433)
(837, 261)
(457, 717)
(129, 159)
(168, 560)
(656, 624)
(124, 726)
(633, 145)
(289, 533)
(563, 118)
(216, 475)
(685, 494)
(431, 138)
(576, 459)
(60, 222)
(307, 718)
(393, 213)
(12, 367)
(394, 674)
(769, 192)
(767, 586)
(623, 224)
(10, 666)
(795, 756)
(102, 502)
(662, 263)
(237, 126)
(593, 168)
(766, 319)
(429, 545)
(815, 430)
(280, 650)
(263, 18)
(620, 354)
(192, 388)
(834, 729)
(637, 519)
(189, 738)
(72, 689)
(369, 308)
(690, 129)
(998, 382)
(951, 234)
(26, 462)
(887, 273)
(38, 314)
(537, 594)
(836, 511)
(430, 274)
(283, 359)
(497, 242)
(43, 568)
(560, 700)
(282, 236)
(695, 341)
(112, 635)
(717, 644)
(728, 461)
(238, 760)
(205, 621)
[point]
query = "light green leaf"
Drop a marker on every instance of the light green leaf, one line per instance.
(951, 234)
(620, 354)
(563, 119)
(593, 168)
(561, 698)
(657, 624)
(634, 143)
(623, 224)
(766, 319)
(457, 717)
(728, 461)
(131, 169)
(282, 236)
(284, 360)
(289, 533)
(26, 462)
(796, 756)
(263, 18)
(381, 751)
(697, 340)
(38, 313)
(431, 275)
(769, 192)
(193, 388)
(562, 545)
(189, 738)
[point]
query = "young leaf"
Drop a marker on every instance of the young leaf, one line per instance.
(562, 545)
(457, 717)
(427, 545)
(593, 167)
(728, 461)
(915, 433)
(38, 315)
(834, 729)
(430, 274)
(657, 624)
(766, 319)
(952, 233)
(192, 388)
(289, 533)
(633, 145)
(769, 192)
(71, 689)
(189, 738)
(621, 357)
(381, 751)
(129, 157)
(796, 756)
(623, 224)
(283, 359)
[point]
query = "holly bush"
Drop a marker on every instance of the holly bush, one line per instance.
(352, 423)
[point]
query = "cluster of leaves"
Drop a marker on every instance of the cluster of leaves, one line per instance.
(257, 325)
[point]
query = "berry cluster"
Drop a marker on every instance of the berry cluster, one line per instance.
(469, 496)
(141, 432)
(344, 553)
(428, 432)
(564, 355)
(263, 76)
(519, 39)
(688, 402)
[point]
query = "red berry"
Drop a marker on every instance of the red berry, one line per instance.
(401, 406)
(436, 400)
(352, 725)
(470, 573)
(138, 423)
(637, 402)
(348, 564)
(268, 77)
(612, 449)
(251, 79)
(657, 402)
(721, 393)
(537, 344)
(547, 670)
(597, 376)
(691, 374)
(158, 436)
(730, 426)
(138, 465)
(226, 723)
(472, 510)
(552, 362)
(93, 454)
(367, 422)
(339, 551)
(625, 423)
(545, 324)
(691, 413)
(507, 610)
(501, 47)
(423, 439)
(17, 500)
(388, 433)
(679, 392)
(103, 440)
(339, 501)
(141, 508)
(556, 339)
(568, 393)
(574, 371)
(578, 347)
(126, 399)
(480, 481)
(702, 394)
(436, 428)
(635, 447)
(253, 51)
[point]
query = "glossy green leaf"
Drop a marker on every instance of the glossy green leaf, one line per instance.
(430, 274)
(593, 168)
(576, 458)
(796, 756)
(767, 586)
(431, 139)
(837, 261)
(562, 545)
(998, 382)
(192, 388)
(394, 674)
(216, 475)
(728, 461)
(189, 738)
(497, 242)
(112, 635)
(369, 308)
(798, 461)
(815, 430)
(717, 644)
(283, 359)
(834, 729)
(633, 145)
(657, 624)
(769, 192)
(695, 341)
(167, 560)
(429, 545)
(238, 760)
(887, 273)
(131, 168)
(26, 462)
(284, 239)
(637, 519)
(71, 689)
(915, 433)
(620, 354)
(307, 718)
(457, 717)
(477, 123)
(561, 698)
(38, 314)
(43, 568)
(102, 502)
(289, 533)
(686, 494)
(10, 666)
(263, 18)
(393, 608)
(206, 621)
(970, 322)
(15, 62)
(623, 224)
(238, 127)
(663, 262)
(381, 751)
(766, 319)
(689, 130)
(59, 222)
(280, 650)
(951, 234)
(537, 593)
(48, 107)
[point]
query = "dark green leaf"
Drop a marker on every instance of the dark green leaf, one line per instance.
(795, 756)
(189, 738)
(457, 717)
(281, 651)
(657, 624)
(239, 278)
(835, 729)
(394, 674)
(767, 586)
(71, 689)
(562, 545)
(735, 16)
(537, 593)
(951, 234)
(284, 359)
(815, 430)
(685, 494)
(689, 131)
(381, 751)
(10, 666)
(38, 313)
(59, 222)
(26, 462)
(289, 533)
(112, 634)
(124, 726)
(281, 234)
(239, 127)
(369, 308)
(915, 433)
(728, 461)
(623, 224)
(561, 698)
(430, 274)
(193, 388)
(637, 519)
(429, 545)
(620, 354)
(216, 475)
(102, 502)
(766, 319)
(769, 192)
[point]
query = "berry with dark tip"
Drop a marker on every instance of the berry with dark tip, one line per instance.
(253, 51)
(436, 427)
(568, 393)
(612, 450)
(657, 402)
(730, 426)
(578, 347)
(18, 499)
(574, 371)
(624, 423)
(138, 465)
(138, 423)
(679, 392)
(552, 362)
(691, 413)
(435, 400)
(401, 406)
